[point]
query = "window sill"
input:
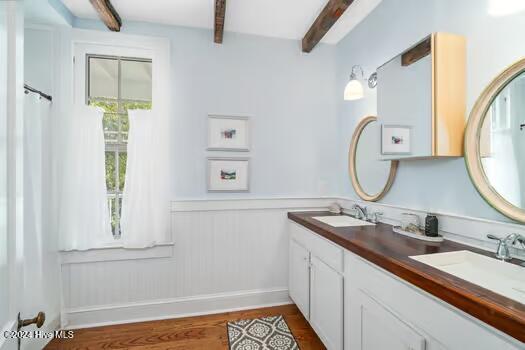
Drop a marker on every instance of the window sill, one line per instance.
(163, 250)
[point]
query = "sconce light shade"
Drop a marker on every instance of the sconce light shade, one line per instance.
(353, 90)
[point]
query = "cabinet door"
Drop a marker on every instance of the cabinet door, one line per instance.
(299, 277)
(326, 304)
(404, 98)
(374, 327)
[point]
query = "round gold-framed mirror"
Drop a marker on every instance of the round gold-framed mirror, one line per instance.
(381, 177)
(495, 143)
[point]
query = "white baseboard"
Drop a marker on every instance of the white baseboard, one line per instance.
(174, 308)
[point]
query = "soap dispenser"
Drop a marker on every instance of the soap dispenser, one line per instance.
(431, 226)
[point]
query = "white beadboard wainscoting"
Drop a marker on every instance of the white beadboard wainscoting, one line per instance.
(226, 255)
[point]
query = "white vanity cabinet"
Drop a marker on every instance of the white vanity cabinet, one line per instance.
(326, 303)
(316, 283)
(353, 304)
(299, 277)
(383, 311)
(379, 328)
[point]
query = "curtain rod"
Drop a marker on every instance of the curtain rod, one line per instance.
(32, 89)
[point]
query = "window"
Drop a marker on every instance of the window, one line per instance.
(117, 84)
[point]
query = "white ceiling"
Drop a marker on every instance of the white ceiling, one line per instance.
(289, 19)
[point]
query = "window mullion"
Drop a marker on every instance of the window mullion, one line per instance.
(117, 232)
(117, 194)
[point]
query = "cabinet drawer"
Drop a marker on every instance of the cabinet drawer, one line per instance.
(330, 253)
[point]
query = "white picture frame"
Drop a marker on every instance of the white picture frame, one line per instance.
(228, 174)
(396, 139)
(228, 133)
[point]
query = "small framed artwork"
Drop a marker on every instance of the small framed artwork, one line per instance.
(395, 139)
(228, 133)
(228, 174)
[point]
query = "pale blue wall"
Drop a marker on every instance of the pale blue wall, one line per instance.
(291, 96)
(302, 127)
(51, 12)
(492, 44)
(38, 58)
(62, 10)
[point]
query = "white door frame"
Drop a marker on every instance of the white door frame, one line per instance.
(12, 91)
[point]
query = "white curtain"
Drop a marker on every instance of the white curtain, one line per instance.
(36, 112)
(40, 246)
(145, 204)
(84, 221)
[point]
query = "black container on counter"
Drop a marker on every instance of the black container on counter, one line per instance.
(431, 226)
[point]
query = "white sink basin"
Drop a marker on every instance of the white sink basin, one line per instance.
(498, 276)
(342, 221)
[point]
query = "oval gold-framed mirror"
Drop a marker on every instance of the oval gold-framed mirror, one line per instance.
(495, 143)
(380, 190)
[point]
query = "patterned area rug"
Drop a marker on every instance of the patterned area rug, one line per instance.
(266, 333)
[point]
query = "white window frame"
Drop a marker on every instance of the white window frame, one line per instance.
(117, 44)
(119, 147)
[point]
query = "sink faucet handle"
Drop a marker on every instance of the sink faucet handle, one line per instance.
(502, 251)
(515, 237)
(361, 211)
(511, 238)
(373, 217)
(521, 240)
(491, 236)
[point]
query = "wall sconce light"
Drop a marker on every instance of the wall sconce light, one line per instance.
(354, 88)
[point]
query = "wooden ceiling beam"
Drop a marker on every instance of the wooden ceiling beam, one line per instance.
(107, 14)
(220, 12)
(326, 19)
(417, 52)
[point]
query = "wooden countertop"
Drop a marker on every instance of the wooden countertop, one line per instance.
(390, 251)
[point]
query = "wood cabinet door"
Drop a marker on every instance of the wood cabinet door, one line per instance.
(299, 277)
(326, 304)
(374, 326)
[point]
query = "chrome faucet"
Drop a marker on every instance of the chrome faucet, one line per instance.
(373, 217)
(503, 251)
(361, 211)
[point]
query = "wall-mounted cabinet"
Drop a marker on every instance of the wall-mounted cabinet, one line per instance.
(421, 100)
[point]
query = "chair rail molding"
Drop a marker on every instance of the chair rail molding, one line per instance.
(292, 203)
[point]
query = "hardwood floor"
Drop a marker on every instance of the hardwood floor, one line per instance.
(199, 333)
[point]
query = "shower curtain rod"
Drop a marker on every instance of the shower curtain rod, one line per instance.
(32, 89)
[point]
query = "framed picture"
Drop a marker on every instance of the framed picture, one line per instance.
(395, 139)
(228, 133)
(228, 175)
